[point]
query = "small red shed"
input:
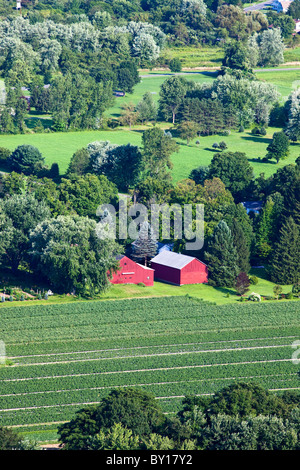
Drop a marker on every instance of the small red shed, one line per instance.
(132, 273)
(178, 269)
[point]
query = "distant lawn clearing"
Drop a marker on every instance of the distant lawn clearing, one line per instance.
(59, 147)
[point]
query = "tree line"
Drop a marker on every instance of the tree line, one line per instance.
(241, 416)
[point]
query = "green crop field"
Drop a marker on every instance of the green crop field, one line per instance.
(69, 355)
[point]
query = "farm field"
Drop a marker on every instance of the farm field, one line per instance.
(67, 356)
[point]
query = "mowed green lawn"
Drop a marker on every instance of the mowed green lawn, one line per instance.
(286, 81)
(59, 147)
(151, 82)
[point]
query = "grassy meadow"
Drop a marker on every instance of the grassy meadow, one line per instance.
(59, 147)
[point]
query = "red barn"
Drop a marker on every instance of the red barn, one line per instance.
(132, 273)
(178, 269)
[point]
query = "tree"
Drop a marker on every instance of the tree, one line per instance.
(145, 48)
(277, 290)
(124, 166)
(4, 155)
(25, 159)
(130, 408)
(171, 96)
(271, 47)
(145, 246)
(68, 253)
(146, 108)
(129, 115)
(187, 130)
(233, 19)
(9, 439)
(79, 163)
(127, 75)
(247, 399)
(221, 257)
(241, 244)
(200, 174)
(242, 283)
(23, 213)
(115, 438)
(285, 260)
(84, 194)
(99, 152)
(264, 231)
(157, 148)
(278, 147)
(175, 65)
(292, 129)
(234, 170)
(236, 56)
(294, 9)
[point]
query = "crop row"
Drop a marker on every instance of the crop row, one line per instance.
(44, 390)
(200, 316)
(160, 340)
(98, 307)
(106, 365)
(143, 328)
(152, 350)
(98, 379)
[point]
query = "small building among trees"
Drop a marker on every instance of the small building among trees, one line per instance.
(178, 269)
(132, 273)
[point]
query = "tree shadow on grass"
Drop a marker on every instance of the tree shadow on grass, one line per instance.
(255, 138)
(226, 291)
(213, 150)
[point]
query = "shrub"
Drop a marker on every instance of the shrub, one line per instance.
(254, 297)
(241, 129)
(223, 145)
(215, 145)
(4, 155)
(254, 280)
(26, 159)
(175, 65)
(226, 132)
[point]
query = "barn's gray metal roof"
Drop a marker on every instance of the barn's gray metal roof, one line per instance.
(171, 259)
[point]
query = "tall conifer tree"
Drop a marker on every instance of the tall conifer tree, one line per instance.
(222, 257)
(285, 261)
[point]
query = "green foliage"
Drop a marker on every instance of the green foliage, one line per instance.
(157, 148)
(26, 159)
(221, 257)
(278, 147)
(68, 253)
(234, 170)
(9, 439)
(175, 65)
(285, 260)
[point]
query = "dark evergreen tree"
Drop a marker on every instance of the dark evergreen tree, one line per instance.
(241, 245)
(285, 261)
(222, 257)
(145, 246)
(242, 283)
(25, 159)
